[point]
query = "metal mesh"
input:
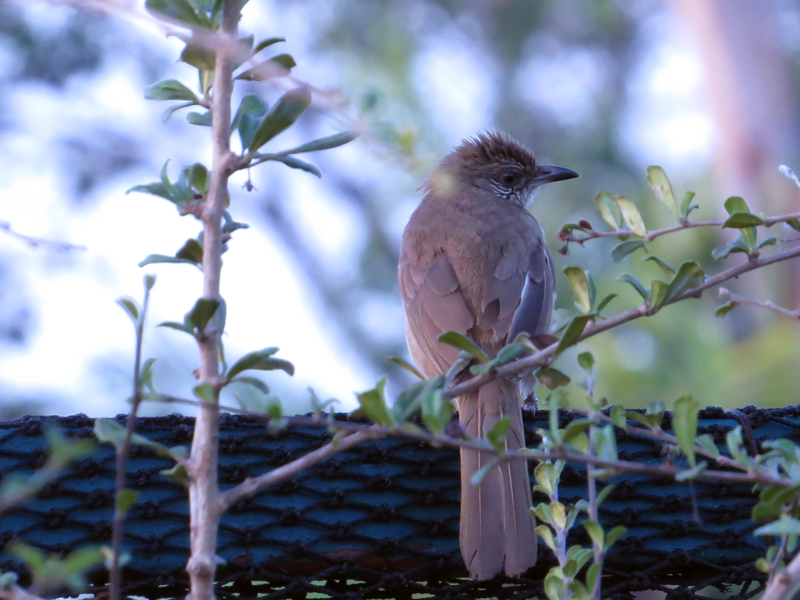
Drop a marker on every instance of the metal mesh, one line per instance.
(377, 521)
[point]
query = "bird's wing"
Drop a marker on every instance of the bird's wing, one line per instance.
(538, 295)
(434, 304)
(519, 297)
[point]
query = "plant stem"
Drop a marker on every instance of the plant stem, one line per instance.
(205, 509)
(115, 576)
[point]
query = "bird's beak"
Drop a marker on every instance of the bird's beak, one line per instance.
(547, 174)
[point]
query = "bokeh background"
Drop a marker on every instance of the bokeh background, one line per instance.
(709, 89)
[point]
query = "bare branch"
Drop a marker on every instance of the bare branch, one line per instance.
(566, 235)
(251, 485)
(736, 299)
(35, 242)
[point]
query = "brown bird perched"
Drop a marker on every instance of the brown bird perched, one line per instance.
(474, 260)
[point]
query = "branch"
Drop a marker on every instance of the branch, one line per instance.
(785, 583)
(115, 576)
(15, 592)
(543, 357)
(202, 462)
(750, 476)
(35, 242)
(566, 235)
(735, 299)
(251, 485)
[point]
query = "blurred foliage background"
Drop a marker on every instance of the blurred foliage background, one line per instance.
(709, 89)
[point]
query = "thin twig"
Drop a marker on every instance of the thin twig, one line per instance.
(115, 577)
(769, 305)
(35, 242)
(566, 235)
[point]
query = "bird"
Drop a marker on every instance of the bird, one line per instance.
(473, 259)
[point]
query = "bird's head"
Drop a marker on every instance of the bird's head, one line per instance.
(496, 163)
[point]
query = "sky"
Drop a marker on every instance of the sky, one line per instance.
(80, 337)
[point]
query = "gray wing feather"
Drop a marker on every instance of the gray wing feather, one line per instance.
(536, 305)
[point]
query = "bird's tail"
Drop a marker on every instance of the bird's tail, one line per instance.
(497, 530)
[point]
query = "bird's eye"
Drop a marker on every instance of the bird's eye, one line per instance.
(508, 179)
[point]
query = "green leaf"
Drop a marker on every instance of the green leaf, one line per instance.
(741, 220)
(478, 477)
(281, 116)
(373, 405)
(170, 89)
(595, 531)
(510, 352)
(169, 112)
(706, 442)
(740, 244)
(178, 10)
(604, 302)
(199, 56)
(407, 366)
(326, 143)
(631, 215)
(725, 308)
(205, 392)
(662, 188)
(736, 446)
(572, 333)
(178, 326)
(547, 536)
(684, 424)
(260, 360)
(592, 574)
(575, 428)
(253, 382)
(437, 411)
(579, 283)
(202, 119)
(623, 249)
(770, 241)
(552, 378)
(628, 278)
(794, 224)
(131, 307)
(496, 436)
(618, 416)
(669, 271)
(125, 500)
(613, 535)
(604, 201)
(686, 204)
(692, 473)
(251, 105)
(604, 493)
(736, 204)
(266, 43)
(783, 526)
(462, 342)
(285, 60)
(586, 361)
(191, 251)
(156, 189)
(690, 275)
(202, 311)
(296, 163)
(161, 258)
(178, 474)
